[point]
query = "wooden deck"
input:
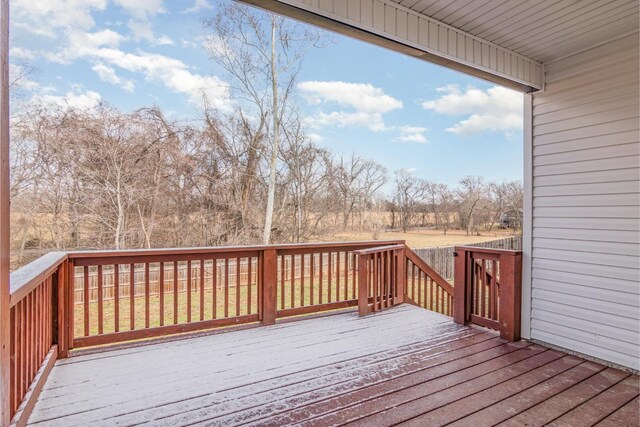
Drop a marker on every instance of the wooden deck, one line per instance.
(405, 365)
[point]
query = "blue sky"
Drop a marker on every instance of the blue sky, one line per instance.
(397, 110)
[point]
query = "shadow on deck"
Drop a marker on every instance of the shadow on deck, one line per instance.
(403, 365)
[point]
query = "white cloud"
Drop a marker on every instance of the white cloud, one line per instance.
(314, 137)
(102, 48)
(173, 73)
(21, 53)
(71, 21)
(44, 17)
(496, 109)
(411, 134)
(198, 6)
(108, 74)
(142, 9)
(367, 104)
(81, 100)
(142, 30)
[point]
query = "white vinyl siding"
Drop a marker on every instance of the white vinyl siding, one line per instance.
(585, 269)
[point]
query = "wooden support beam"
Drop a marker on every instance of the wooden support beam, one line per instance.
(5, 370)
(462, 292)
(510, 295)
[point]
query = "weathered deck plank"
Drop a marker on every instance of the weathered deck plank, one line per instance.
(401, 365)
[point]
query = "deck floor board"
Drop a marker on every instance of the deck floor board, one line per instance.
(404, 365)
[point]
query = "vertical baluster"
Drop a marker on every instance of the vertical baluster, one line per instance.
(15, 357)
(283, 273)
(132, 296)
(345, 268)
(86, 300)
(100, 302)
(292, 282)
(329, 275)
(353, 275)
(420, 290)
(116, 298)
(202, 289)
(388, 293)
(226, 287)
(36, 327)
(24, 347)
(381, 278)
(161, 292)
(32, 338)
(312, 272)
(237, 286)
(374, 281)
(338, 276)
(188, 291)
(302, 280)
(146, 295)
(175, 292)
(413, 281)
(249, 283)
(214, 286)
(320, 279)
(483, 309)
(494, 291)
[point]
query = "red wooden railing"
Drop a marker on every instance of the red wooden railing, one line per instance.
(380, 278)
(317, 278)
(35, 316)
(488, 289)
(425, 287)
(221, 286)
(72, 300)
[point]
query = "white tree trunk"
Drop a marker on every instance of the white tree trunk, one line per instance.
(271, 196)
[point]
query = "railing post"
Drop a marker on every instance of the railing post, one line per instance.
(510, 295)
(363, 285)
(461, 287)
(269, 286)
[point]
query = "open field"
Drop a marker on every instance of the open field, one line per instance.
(424, 238)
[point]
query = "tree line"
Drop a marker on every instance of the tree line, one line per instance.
(109, 179)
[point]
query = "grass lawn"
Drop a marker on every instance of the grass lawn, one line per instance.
(245, 308)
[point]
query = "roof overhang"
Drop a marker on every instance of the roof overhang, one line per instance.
(506, 42)
(391, 25)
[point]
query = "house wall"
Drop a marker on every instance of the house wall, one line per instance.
(585, 257)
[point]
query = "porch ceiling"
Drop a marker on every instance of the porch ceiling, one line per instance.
(543, 30)
(506, 42)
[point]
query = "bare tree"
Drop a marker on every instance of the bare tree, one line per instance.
(471, 193)
(262, 53)
(409, 194)
(356, 182)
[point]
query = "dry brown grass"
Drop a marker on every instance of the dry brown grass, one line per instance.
(423, 238)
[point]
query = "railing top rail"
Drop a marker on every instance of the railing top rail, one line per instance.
(220, 249)
(492, 251)
(382, 248)
(25, 279)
